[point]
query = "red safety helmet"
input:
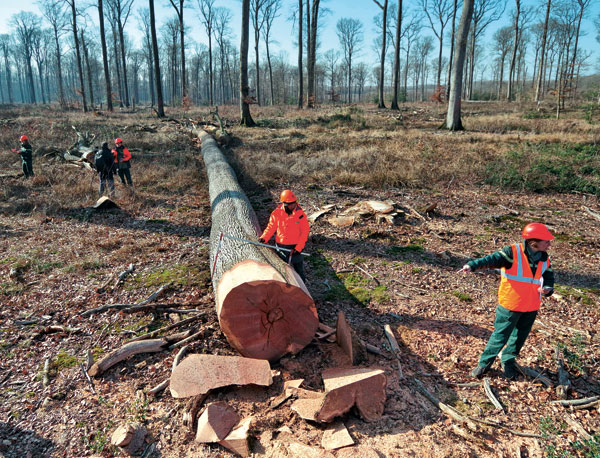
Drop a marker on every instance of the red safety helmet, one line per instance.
(24, 138)
(536, 231)
(287, 197)
(118, 140)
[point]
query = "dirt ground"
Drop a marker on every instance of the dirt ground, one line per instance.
(54, 259)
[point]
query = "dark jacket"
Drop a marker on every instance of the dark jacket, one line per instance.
(26, 152)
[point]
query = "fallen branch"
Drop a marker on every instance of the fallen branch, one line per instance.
(156, 332)
(186, 340)
(123, 275)
(394, 347)
(488, 392)
(591, 212)
(87, 377)
(127, 350)
(104, 308)
(45, 378)
(363, 270)
(142, 306)
(535, 375)
(587, 406)
(563, 376)
(165, 383)
(415, 212)
(579, 429)
(576, 402)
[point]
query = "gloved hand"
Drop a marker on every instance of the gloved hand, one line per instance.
(261, 240)
(293, 252)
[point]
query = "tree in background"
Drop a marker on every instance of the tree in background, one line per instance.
(222, 32)
(396, 83)
(257, 13)
(6, 44)
(384, 9)
(144, 21)
(313, 13)
(502, 40)
(440, 12)
(179, 11)
(271, 12)
(511, 70)
(540, 77)
(120, 10)
(350, 34)
(160, 110)
(453, 120)
(246, 117)
(107, 83)
(55, 14)
(300, 69)
(206, 8)
(26, 25)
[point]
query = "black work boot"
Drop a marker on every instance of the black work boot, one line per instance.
(479, 371)
(510, 371)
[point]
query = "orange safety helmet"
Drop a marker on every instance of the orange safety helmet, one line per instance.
(287, 197)
(536, 231)
(118, 140)
(24, 138)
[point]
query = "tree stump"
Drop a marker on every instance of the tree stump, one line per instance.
(264, 308)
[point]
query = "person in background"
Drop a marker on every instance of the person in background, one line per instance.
(122, 157)
(526, 277)
(290, 224)
(104, 163)
(26, 152)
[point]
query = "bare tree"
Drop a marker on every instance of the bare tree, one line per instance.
(312, 51)
(502, 41)
(411, 32)
(440, 12)
(300, 69)
(485, 12)
(384, 8)
(86, 59)
(178, 6)
(258, 20)
(159, 96)
(396, 83)
(206, 8)
(453, 119)
(222, 31)
(40, 54)
(119, 11)
(246, 117)
(56, 16)
(331, 62)
(271, 12)
(144, 24)
(107, 83)
(6, 44)
(26, 25)
(350, 34)
(511, 70)
(583, 4)
(540, 77)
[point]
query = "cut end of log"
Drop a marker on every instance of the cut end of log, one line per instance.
(265, 319)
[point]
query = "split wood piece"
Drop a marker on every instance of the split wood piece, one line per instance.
(316, 215)
(347, 339)
(344, 388)
(237, 440)
(166, 328)
(127, 350)
(165, 383)
(368, 207)
(198, 374)
(325, 332)
(564, 382)
(535, 375)
(264, 308)
(129, 437)
(577, 402)
(308, 404)
(336, 436)
(341, 221)
(578, 428)
(216, 422)
(296, 449)
(289, 389)
(489, 393)
(191, 409)
(105, 203)
(394, 347)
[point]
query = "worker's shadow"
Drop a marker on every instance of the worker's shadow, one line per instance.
(17, 443)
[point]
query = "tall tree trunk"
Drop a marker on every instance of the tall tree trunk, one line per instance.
(117, 64)
(107, 84)
(312, 57)
(211, 83)
(384, 7)
(61, 89)
(256, 58)
(453, 120)
(78, 54)
(123, 63)
(86, 58)
(159, 95)
(300, 69)
(396, 83)
(451, 50)
(513, 59)
(270, 72)
(8, 75)
(246, 117)
(245, 275)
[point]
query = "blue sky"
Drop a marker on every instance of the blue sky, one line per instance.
(363, 10)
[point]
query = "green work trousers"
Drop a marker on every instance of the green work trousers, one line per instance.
(511, 330)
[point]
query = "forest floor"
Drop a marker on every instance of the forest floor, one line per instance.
(56, 253)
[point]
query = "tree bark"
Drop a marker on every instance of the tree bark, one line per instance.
(264, 309)
(397, 58)
(453, 121)
(159, 95)
(78, 53)
(300, 69)
(109, 104)
(244, 89)
(513, 59)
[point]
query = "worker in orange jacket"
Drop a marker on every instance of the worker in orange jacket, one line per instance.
(526, 277)
(122, 157)
(290, 224)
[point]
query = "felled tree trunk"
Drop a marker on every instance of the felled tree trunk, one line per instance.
(264, 308)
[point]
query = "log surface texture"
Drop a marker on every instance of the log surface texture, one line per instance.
(264, 308)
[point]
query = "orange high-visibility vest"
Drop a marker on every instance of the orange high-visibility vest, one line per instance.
(518, 286)
(291, 229)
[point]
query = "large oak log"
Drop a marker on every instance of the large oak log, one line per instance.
(264, 308)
